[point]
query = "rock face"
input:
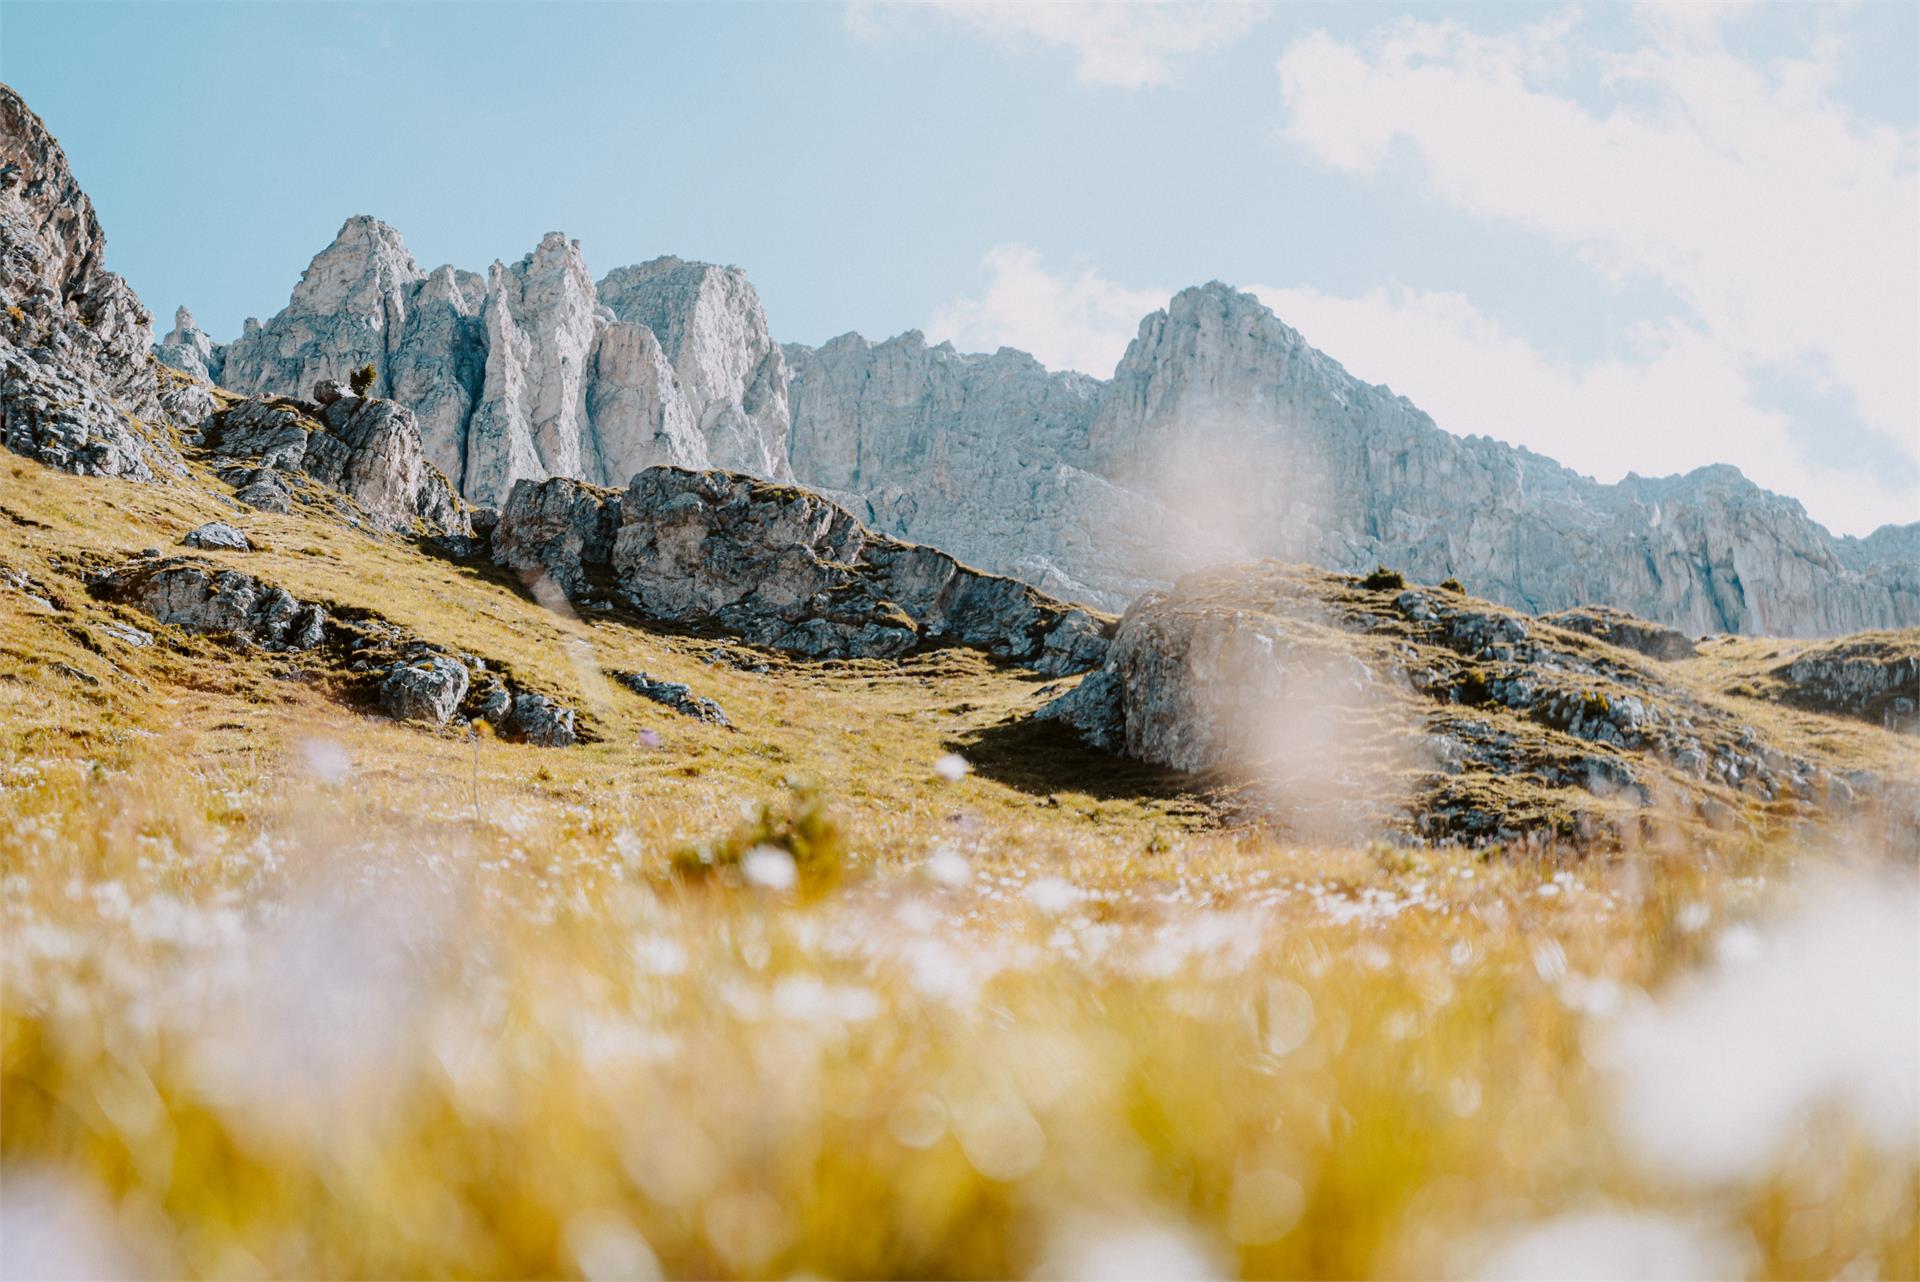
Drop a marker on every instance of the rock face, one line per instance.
(368, 450)
(1875, 678)
(189, 349)
(558, 528)
(1222, 435)
(782, 567)
(531, 370)
(1269, 671)
(203, 597)
(1617, 627)
(77, 389)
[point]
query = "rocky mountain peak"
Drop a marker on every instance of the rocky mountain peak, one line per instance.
(367, 260)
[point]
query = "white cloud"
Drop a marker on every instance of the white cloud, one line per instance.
(1077, 321)
(1784, 224)
(1126, 44)
(1675, 401)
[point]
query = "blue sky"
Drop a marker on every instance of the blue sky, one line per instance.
(1630, 237)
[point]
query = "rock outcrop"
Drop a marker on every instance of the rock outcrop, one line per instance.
(1617, 627)
(367, 450)
(217, 536)
(188, 348)
(677, 695)
(426, 689)
(1875, 678)
(531, 370)
(1280, 674)
(78, 390)
(203, 597)
(558, 528)
(782, 567)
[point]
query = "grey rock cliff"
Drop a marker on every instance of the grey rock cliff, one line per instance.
(190, 349)
(78, 390)
(365, 449)
(532, 370)
(1223, 434)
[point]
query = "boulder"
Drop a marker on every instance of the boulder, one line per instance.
(203, 597)
(1617, 627)
(329, 390)
(535, 718)
(784, 567)
(559, 528)
(675, 695)
(218, 536)
(428, 689)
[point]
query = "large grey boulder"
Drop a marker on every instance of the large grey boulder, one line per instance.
(537, 719)
(560, 528)
(78, 390)
(217, 536)
(784, 567)
(428, 688)
(202, 597)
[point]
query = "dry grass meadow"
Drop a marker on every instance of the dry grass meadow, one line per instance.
(291, 990)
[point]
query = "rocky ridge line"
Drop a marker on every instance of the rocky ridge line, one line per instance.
(781, 567)
(1222, 435)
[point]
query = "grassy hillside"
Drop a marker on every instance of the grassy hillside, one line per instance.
(290, 988)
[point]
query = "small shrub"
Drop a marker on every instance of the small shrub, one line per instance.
(362, 379)
(1453, 585)
(798, 824)
(1382, 578)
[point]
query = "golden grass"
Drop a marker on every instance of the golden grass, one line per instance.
(299, 991)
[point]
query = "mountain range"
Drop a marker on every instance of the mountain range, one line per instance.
(1223, 434)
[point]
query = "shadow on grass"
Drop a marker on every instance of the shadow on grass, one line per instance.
(1044, 757)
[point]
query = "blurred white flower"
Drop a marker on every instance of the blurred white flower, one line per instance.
(605, 1245)
(1090, 1250)
(53, 1225)
(1051, 895)
(949, 867)
(1624, 1245)
(953, 767)
(1817, 1010)
(326, 760)
(769, 868)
